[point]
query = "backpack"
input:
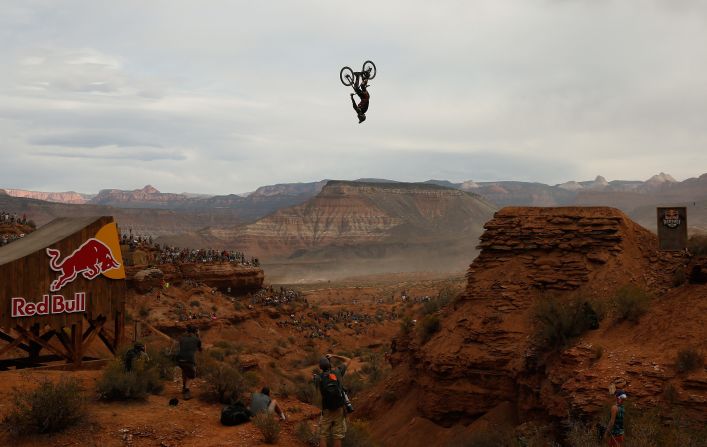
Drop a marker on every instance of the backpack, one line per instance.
(332, 391)
(235, 414)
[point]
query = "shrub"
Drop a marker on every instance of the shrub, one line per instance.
(560, 320)
(144, 311)
(227, 347)
(309, 394)
(225, 382)
(50, 407)
(32, 224)
(697, 244)
(580, 435)
(217, 353)
(689, 359)
(117, 384)
(406, 325)
(268, 426)
(597, 353)
(430, 326)
(306, 434)
(357, 435)
(195, 303)
(162, 362)
(631, 303)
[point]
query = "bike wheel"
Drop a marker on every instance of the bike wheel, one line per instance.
(369, 65)
(346, 75)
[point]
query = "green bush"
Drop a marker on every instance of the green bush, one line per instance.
(306, 392)
(306, 434)
(268, 426)
(225, 382)
(689, 359)
(430, 326)
(48, 408)
(117, 384)
(562, 319)
(217, 353)
(406, 325)
(227, 347)
(357, 435)
(631, 303)
(697, 244)
(162, 362)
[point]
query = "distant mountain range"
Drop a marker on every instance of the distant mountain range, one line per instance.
(635, 197)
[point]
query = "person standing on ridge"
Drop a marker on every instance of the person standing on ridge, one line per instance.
(189, 344)
(332, 422)
(614, 433)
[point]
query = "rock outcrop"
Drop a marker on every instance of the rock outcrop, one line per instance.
(222, 275)
(487, 352)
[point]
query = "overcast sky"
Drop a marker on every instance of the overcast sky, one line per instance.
(223, 97)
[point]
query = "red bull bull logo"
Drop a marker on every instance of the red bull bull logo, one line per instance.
(91, 259)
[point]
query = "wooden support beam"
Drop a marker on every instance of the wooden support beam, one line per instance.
(8, 338)
(14, 344)
(66, 342)
(90, 335)
(107, 341)
(119, 328)
(76, 342)
(33, 345)
(31, 336)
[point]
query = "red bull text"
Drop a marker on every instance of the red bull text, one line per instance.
(49, 305)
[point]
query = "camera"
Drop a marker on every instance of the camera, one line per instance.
(347, 403)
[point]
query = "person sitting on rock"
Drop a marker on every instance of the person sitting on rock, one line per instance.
(261, 403)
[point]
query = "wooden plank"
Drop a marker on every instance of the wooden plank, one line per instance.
(91, 333)
(107, 341)
(43, 343)
(12, 345)
(65, 341)
(10, 339)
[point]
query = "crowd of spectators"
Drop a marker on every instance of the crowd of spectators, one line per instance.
(167, 254)
(7, 218)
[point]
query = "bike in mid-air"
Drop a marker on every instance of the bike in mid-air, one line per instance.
(348, 76)
(359, 81)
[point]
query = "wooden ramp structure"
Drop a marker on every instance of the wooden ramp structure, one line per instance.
(62, 287)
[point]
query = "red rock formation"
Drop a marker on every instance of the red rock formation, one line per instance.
(240, 279)
(486, 352)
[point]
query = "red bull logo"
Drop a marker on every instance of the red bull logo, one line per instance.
(91, 259)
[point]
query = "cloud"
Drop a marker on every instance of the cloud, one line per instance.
(229, 97)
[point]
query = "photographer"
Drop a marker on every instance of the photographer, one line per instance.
(186, 358)
(335, 403)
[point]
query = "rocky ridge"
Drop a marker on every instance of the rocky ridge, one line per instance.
(486, 353)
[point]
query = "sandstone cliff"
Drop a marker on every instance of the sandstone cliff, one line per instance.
(486, 352)
(59, 197)
(355, 214)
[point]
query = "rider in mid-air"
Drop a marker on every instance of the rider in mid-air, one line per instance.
(360, 86)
